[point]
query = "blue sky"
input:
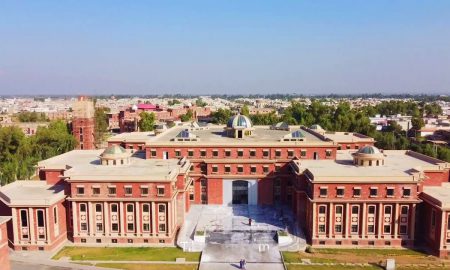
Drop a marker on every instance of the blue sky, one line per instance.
(224, 46)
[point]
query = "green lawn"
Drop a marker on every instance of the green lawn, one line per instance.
(365, 252)
(149, 266)
(125, 254)
(328, 267)
(295, 257)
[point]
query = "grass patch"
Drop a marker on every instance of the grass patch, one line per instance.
(366, 252)
(138, 266)
(328, 267)
(296, 257)
(125, 254)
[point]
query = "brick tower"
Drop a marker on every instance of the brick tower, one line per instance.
(83, 123)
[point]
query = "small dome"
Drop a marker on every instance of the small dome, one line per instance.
(370, 150)
(316, 127)
(114, 150)
(239, 121)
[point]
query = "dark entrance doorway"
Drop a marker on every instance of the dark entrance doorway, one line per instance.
(240, 192)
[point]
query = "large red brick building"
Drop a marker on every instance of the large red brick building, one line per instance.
(83, 123)
(343, 190)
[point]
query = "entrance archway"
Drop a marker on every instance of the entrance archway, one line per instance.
(240, 192)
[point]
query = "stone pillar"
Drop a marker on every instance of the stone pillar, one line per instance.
(314, 221)
(75, 218)
(364, 220)
(153, 219)
(106, 217)
(347, 219)
(412, 221)
(380, 219)
(330, 220)
(138, 218)
(396, 220)
(31, 225)
(47, 226)
(16, 225)
(91, 220)
(169, 218)
(122, 220)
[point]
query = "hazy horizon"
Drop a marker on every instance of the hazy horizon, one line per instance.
(224, 47)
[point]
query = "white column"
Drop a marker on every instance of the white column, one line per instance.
(330, 220)
(91, 220)
(364, 220)
(347, 219)
(443, 230)
(16, 225)
(380, 219)
(122, 220)
(412, 221)
(314, 221)
(396, 220)
(153, 219)
(106, 218)
(138, 219)
(75, 219)
(169, 217)
(31, 225)
(47, 226)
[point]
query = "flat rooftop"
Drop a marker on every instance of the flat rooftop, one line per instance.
(399, 165)
(215, 135)
(31, 192)
(134, 137)
(441, 195)
(85, 165)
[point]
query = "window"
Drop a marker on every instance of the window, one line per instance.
(323, 191)
(80, 190)
(130, 227)
(24, 218)
(215, 169)
(177, 153)
(373, 192)
(161, 208)
(55, 215)
(190, 153)
(83, 226)
(146, 208)
(404, 210)
(340, 192)
(96, 191)
(371, 209)
(371, 229)
(339, 209)
(387, 210)
(82, 207)
(215, 153)
(355, 210)
(227, 169)
(203, 153)
(112, 191)
(99, 227)
(328, 153)
(303, 153)
(114, 227)
(322, 209)
(146, 227)
(321, 228)
(240, 169)
(278, 153)
(390, 192)
(356, 192)
(277, 167)
(387, 228)
(114, 208)
(227, 153)
(153, 153)
(98, 207)
(266, 169)
(252, 153)
(338, 228)
(253, 169)
(144, 191)
(128, 191)
(162, 227)
(240, 153)
(265, 153)
(406, 192)
(354, 228)
(403, 229)
(290, 153)
(40, 218)
(130, 208)
(160, 191)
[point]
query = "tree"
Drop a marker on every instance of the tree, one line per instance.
(417, 123)
(173, 102)
(221, 116)
(200, 103)
(147, 121)
(245, 111)
(188, 116)
(100, 125)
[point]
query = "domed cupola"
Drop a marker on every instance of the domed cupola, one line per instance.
(115, 155)
(239, 126)
(368, 156)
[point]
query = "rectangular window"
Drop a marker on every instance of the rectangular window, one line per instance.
(406, 192)
(323, 192)
(112, 191)
(160, 191)
(144, 191)
(80, 190)
(227, 169)
(322, 209)
(114, 208)
(390, 192)
(99, 227)
(403, 229)
(240, 153)
(252, 153)
(371, 229)
(178, 153)
(161, 208)
(130, 208)
(387, 229)
(240, 169)
(115, 227)
(146, 227)
(83, 226)
(277, 167)
(338, 228)
(339, 209)
(253, 169)
(153, 153)
(98, 207)
(40, 218)
(190, 153)
(321, 228)
(96, 191)
(356, 192)
(24, 218)
(162, 227)
(404, 210)
(387, 210)
(355, 210)
(371, 209)
(203, 153)
(265, 153)
(290, 153)
(340, 192)
(55, 215)
(303, 153)
(227, 153)
(130, 227)
(373, 192)
(215, 153)
(277, 153)
(328, 153)
(146, 208)
(354, 228)
(266, 169)
(215, 169)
